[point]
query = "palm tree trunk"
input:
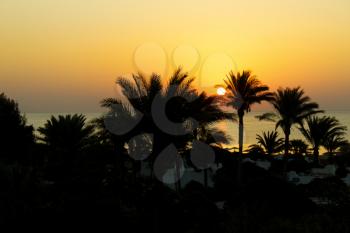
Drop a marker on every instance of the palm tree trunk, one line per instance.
(178, 174)
(205, 178)
(240, 133)
(240, 142)
(286, 153)
(286, 144)
(158, 146)
(155, 219)
(316, 154)
(121, 152)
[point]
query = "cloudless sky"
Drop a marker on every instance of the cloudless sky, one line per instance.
(64, 55)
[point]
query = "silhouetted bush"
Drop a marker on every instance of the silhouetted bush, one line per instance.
(16, 137)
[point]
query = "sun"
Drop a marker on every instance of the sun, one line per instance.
(221, 91)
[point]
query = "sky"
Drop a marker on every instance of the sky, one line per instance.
(65, 55)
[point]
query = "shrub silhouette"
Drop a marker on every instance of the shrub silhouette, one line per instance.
(16, 137)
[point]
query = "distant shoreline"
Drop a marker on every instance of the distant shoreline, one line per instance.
(253, 126)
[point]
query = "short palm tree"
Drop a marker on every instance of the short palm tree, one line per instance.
(212, 138)
(334, 143)
(298, 147)
(68, 133)
(270, 141)
(255, 149)
(291, 107)
(244, 90)
(320, 129)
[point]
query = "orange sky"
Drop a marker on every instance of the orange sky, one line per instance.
(63, 56)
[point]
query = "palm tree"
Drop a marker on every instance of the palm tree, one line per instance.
(255, 149)
(270, 141)
(117, 145)
(320, 129)
(213, 138)
(171, 113)
(68, 133)
(298, 147)
(130, 114)
(334, 142)
(244, 90)
(67, 138)
(291, 107)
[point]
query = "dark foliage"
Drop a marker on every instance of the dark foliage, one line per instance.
(16, 137)
(79, 176)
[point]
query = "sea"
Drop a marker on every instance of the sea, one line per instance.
(252, 125)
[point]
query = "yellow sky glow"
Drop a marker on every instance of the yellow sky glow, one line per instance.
(65, 55)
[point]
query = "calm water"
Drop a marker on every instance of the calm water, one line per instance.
(252, 125)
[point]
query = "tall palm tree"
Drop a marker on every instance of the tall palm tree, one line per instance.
(68, 133)
(291, 107)
(270, 141)
(171, 112)
(244, 90)
(320, 129)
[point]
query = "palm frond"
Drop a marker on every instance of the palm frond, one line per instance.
(270, 116)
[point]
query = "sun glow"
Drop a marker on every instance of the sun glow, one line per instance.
(221, 91)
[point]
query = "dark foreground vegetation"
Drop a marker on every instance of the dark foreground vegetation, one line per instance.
(73, 174)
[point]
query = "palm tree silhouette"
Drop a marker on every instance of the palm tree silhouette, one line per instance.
(134, 106)
(215, 139)
(255, 149)
(298, 147)
(270, 141)
(292, 107)
(334, 142)
(320, 129)
(244, 90)
(144, 100)
(117, 144)
(213, 136)
(68, 133)
(104, 136)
